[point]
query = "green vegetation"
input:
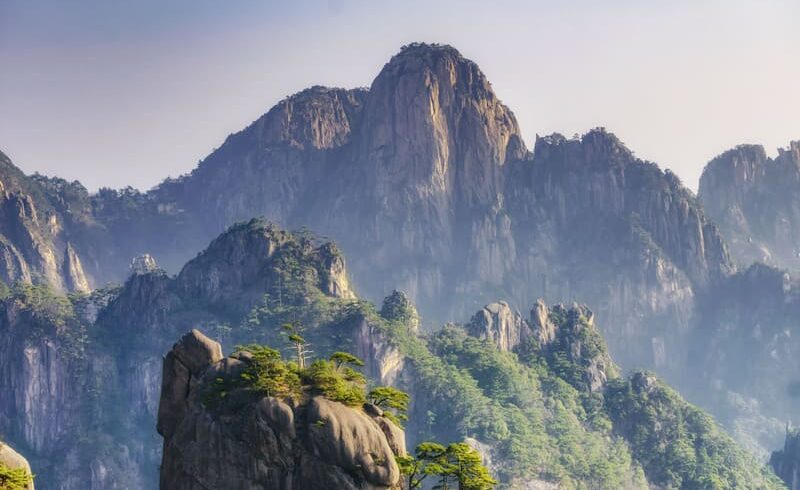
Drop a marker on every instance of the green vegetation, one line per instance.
(457, 466)
(536, 419)
(680, 446)
(337, 381)
(392, 401)
(536, 408)
(293, 331)
(14, 479)
(269, 374)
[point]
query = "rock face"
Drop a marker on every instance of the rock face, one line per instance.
(756, 202)
(33, 243)
(786, 463)
(424, 177)
(568, 333)
(254, 441)
(745, 354)
(143, 264)
(66, 363)
(14, 461)
(500, 325)
(398, 307)
(83, 374)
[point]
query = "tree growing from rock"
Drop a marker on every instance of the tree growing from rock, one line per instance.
(392, 401)
(293, 330)
(455, 467)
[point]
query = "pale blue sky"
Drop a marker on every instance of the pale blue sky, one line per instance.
(114, 93)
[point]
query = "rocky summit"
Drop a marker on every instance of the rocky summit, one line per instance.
(88, 377)
(426, 168)
(255, 441)
(754, 199)
(424, 181)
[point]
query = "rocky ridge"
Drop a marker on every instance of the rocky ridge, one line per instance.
(426, 168)
(756, 202)
(786, 462)
(257, 441)
(103, 352)
(425, 179)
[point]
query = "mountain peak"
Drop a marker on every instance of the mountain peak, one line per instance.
(428, 53)
(433, 124)
(598, 145)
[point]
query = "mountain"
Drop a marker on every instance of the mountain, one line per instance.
(425, 178)
(540, 396)
(220, 432)
(756, 202)
(786, 462)
(82, 372)
(427, 168)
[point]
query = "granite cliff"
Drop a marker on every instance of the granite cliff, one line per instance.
(250, 440)
(786, 462)
(425, 168)
(531, 393)
(425, 179)
(756, 202)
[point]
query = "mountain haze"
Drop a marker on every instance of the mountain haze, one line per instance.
(424, 181)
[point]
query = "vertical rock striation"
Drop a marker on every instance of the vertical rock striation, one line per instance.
(756, 202)
(250, 440)
(786, 463)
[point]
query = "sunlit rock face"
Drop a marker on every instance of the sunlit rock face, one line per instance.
(255, 441)
(425, 179)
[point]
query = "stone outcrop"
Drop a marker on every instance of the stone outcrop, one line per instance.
(69, 364)
(786, 462)
(254, 441)
(231, 270)
(499, 324)
(398, 307)
(424, 177)
(12, 460)
(755, 200)
(143, 264)
(569, 333)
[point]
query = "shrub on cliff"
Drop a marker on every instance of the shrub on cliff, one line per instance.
(14, 479)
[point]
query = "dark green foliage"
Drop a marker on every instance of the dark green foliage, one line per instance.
(397, 307)
(393, 402)
(339, 383)
(679, 446)
(45, 305)
(268, 373)
(342, 359)
(457, 466)
(14, 479)
(535, 419)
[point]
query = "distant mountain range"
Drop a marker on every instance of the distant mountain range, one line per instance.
(425, 183)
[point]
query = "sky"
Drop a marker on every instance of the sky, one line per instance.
(116, 93)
